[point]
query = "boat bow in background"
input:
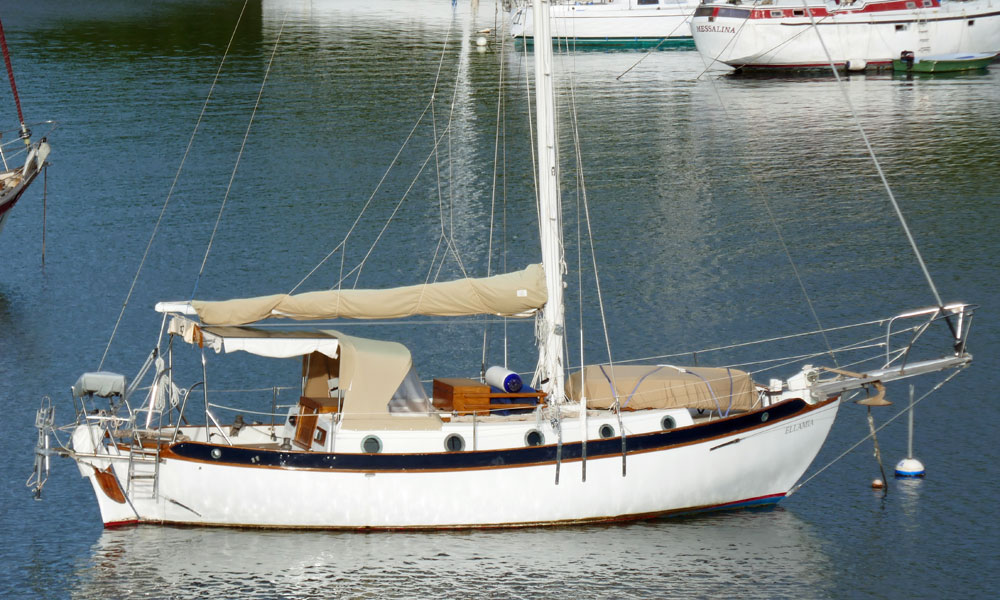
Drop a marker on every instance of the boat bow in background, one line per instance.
(783, 34)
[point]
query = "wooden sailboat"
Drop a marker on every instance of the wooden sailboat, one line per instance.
(15, 175)
(365, 446)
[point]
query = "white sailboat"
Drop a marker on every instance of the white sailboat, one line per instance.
(365, 446)
(852, 34)
(15, 175)
(610, 22)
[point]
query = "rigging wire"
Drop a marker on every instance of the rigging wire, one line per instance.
(875, 161)
(371, 198)
(239, 155)
(173, 186)
(499, 127)
(653, 49)
(767, 205)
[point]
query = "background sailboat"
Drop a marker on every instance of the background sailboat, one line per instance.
(16, 175)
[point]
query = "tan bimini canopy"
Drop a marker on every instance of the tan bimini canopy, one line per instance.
(511, 294)
(665, 386)
(370, 370)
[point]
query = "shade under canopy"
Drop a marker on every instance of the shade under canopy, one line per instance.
(509, 294)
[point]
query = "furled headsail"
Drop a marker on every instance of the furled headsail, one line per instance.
(510, 294)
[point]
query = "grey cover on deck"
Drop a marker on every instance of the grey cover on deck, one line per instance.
(99, 383)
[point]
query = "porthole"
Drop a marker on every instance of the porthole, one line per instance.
(534, 438)
(606, 431)
(763, 417)
(454, 443)
(371, 444)
(667, 423)
(216, 453)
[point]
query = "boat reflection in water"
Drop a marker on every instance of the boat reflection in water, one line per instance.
(686, 557)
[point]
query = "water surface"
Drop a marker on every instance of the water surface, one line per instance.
(689, 174)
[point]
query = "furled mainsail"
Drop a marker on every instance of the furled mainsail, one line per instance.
(509, 294)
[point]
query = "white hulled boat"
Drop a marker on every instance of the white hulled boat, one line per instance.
(365, 446)
(611, 22)
(21, 164)
(853, 35)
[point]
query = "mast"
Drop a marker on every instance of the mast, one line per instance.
(552, 326)
(25, 134)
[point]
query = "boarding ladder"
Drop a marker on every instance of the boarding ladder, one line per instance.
(143, 470)
(923, 36)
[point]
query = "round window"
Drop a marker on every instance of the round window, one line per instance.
(534, 438)
(216, 453)
(454, 443)
(668, 422)
(371, 444)
(763, 417)
(606, 431)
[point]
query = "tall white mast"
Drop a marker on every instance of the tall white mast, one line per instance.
(552, 325)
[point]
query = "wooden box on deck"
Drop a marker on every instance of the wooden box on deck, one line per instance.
(466, 396)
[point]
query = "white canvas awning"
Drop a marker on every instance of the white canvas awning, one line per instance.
(511, 294)
(261, 342)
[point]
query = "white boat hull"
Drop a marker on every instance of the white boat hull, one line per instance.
(751, 465)
(621, 22)
(857, 36)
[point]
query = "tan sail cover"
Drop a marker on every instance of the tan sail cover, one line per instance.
(508, 295)
(663, 386)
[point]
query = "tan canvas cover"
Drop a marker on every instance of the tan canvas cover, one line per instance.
(661, 386)
(509, 294)
(370, 372)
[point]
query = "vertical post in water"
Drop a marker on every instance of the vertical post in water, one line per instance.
(909, 442)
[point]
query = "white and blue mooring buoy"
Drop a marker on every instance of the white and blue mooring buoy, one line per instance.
(909, 466)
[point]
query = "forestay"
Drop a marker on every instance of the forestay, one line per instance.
(510, 294)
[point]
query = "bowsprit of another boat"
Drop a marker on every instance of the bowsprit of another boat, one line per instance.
(16, 176)
(852, 35)
(909, 62)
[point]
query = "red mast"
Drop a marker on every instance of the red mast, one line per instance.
(13, 86)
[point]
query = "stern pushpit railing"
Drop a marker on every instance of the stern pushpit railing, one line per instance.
(44, 422)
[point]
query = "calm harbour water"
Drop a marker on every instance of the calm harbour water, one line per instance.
(682, 168)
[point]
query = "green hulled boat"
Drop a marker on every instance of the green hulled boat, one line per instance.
(942, 63)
